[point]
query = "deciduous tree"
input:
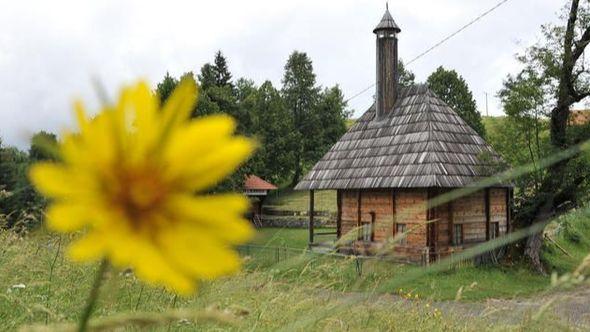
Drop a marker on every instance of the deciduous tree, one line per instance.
(559, 59)
(301, 97)
(453, 90)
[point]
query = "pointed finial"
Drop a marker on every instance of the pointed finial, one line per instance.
(387, 22)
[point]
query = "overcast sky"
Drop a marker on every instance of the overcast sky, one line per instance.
(51, 50)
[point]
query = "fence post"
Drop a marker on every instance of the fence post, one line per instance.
(359, 266)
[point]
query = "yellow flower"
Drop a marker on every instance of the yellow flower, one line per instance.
(131, 178)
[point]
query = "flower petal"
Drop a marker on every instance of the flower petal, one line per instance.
(197, 138)
(198, 255)
(210, 169)
(81, 117)
(55, 180)
(217, 216)
(143, 104)
(150, 265)
(65, 217)
(91, 247)
(179, 105)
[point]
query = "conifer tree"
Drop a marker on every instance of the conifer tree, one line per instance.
(165, 88)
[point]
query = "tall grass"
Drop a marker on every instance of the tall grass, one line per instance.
(301, 293)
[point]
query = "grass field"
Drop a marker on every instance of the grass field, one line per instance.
(286, 199)
(304, 291)
(341, 274)
(282, 237)
(570, 233)
(42, 286)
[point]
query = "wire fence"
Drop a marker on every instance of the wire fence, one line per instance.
(260, 256)
(264, 256)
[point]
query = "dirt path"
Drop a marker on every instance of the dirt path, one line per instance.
(571, 307)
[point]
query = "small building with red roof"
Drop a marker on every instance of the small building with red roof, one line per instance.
(257, 189)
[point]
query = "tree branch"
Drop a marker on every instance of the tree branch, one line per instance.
(578, 96)
(581, 45)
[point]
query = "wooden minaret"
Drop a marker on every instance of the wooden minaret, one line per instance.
(387, 71)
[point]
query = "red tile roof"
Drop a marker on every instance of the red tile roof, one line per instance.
(255, 183)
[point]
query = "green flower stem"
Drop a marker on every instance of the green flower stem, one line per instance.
(93, 296)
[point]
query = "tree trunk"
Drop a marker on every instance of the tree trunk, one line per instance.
(551, 189)
(296, 175)
(532, 249)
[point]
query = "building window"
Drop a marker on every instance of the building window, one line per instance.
(457, 234)
(494, 230)
(366, 232)
(399, 230)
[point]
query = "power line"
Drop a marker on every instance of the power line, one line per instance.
(458, 31)
(444, 40)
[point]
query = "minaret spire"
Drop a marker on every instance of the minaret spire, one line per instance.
(387, 71)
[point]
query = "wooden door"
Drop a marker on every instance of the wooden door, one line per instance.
(431, 228)
(431, 240)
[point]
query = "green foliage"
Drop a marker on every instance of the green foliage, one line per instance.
(570, 241)
(43, 146)
(20, 202)
(453, 90)
(332, 114)
(551, 80)
(301, 96)
(526, 130)
(545, 58)
(274, 130)
(294, 126)
(207, 77)
(518, 145)
(319, 117)
(406, 76)
(222, 75)
(164, 89)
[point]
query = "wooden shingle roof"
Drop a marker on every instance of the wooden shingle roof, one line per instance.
(421, 143)
(387, 23)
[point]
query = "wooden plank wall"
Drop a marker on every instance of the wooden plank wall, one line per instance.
(379, 202)
(349, 213)
(442, 214)
(411, 210)
(470, 211)
(498, 208)
(410, 206)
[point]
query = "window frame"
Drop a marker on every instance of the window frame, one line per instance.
(401, 228)
(364, 235)
(494, 230)
(366, 232)
(458, 235)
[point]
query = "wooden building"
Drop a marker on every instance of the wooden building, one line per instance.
(579, 117)
(256, 189)
(407, 148)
